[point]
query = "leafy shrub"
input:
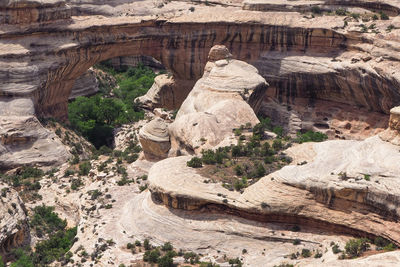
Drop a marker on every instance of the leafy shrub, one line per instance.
(165, 261)
(336, 249)
(52, 249)
(316, 10)
(95, 117)
(278, 130)
(310, 136)
(238, 170)
(146, 244)
(277, 144)
(195, 162)
(318, 255)
(355, 247)
(167, 247)
(152, 255)
(68, 172)
(341, 12)
(384, 16)
(235, 262)
(305, 253)
(84, 168)
(46, 220)
(296, 242)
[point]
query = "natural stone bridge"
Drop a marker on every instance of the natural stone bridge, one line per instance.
(300, 59)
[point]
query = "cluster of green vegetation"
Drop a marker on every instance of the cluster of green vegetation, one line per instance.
(95, 117)
(254, 156)
(26, 181)
(163, 255)
(344, 12)
(356, 247)
(54, 247)
(310, 136)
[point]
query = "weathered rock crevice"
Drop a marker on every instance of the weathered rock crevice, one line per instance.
(190, 204)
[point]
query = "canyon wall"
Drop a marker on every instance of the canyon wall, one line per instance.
(59, 55)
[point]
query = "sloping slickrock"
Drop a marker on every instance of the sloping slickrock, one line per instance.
(14, 230)
(346, 186)
(154, 139)
(24, 141)
(225, 98)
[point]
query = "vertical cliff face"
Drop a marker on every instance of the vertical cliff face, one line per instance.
(14, 230)
(85, 85)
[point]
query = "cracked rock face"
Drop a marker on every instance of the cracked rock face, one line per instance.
(14, 230)
(225, 98)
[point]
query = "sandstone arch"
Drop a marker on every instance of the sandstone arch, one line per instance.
(304, 60)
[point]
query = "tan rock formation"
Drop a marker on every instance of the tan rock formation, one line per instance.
(394, 121)
(154, 139)
(24, 141)
(346, 186)
(133, 61)
(14, 230)
(392, 133)
(161, 94)
(217, 104)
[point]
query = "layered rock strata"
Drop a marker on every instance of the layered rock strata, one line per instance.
(226, 97)
(133, 61)
(24, 141)
(25, 12)
(345, 186)
(86, 85)
(389, 7)
(252, 39)
(154, 139)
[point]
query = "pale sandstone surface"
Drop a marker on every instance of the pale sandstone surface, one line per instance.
(24, 141)
(14, 229)
(314, 194)
(154, 138)
(225, 98)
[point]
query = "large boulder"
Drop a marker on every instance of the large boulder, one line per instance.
(161, 93)
(154, 139)
(226, 97)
